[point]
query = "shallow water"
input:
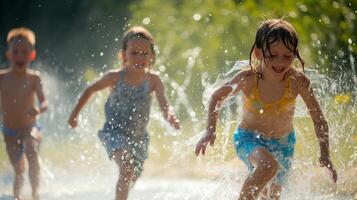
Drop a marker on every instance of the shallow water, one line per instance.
(221, 182)
(75, 165)
(155, 188)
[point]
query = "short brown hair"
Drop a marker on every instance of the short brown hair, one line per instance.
(21, 32)
(138, 32)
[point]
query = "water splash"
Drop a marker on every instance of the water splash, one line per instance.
(76, 167)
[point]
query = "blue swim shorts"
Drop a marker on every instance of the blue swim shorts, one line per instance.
(113, 140)
(246, 141)
(20, 137)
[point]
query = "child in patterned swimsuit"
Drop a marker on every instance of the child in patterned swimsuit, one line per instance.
(124, 134)
(265, 138)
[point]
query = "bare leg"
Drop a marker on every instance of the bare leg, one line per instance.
(18, 162)
(32, 150)
(133, 181)
(275, 191)
(126, 167)
(272, 192)
(266, 168)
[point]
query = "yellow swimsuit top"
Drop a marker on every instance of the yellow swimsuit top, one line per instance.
(254, 104)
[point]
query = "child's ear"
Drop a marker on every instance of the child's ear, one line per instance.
(258, 53)
(7, 54)
(33, 55)
(121, 56)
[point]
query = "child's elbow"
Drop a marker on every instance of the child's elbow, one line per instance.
(45, 108)
(323, 125)
(90, 91)
(323, 121)
(218, 95)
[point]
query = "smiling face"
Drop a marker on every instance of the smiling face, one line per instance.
(20, 53)
(274, 49)
(138, 55)
(276, 62)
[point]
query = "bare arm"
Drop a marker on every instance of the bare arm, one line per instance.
(215, 103)
(319, 121)
(166, 109)
(107, 80)
(218, 97)
(40, 95)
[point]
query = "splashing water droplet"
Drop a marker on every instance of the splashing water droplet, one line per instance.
(146, 20)
(197, 17)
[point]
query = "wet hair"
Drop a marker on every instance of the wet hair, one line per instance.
(273, 30)
(135, 33)
(21, 33)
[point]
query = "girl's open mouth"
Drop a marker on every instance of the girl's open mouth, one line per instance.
(139, 66)
(278, 70)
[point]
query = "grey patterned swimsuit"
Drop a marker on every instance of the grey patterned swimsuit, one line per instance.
(127, 113)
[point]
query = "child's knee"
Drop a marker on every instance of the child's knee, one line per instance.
(36, 134)
(269, 168)
(19, 169)
(32, 156)
(126, 176)
(128, 168)
(32, 152)
(31, 148)
(275, 191)
(266, 163)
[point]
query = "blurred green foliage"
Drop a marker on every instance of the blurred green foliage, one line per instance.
(80, 39)
(222, 32)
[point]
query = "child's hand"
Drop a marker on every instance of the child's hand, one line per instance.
(208, 137)
(174, 122)
(33, 112)
(72, 121)
(325, 161)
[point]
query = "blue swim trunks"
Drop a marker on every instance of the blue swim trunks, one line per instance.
(19, 135)
(246, 141)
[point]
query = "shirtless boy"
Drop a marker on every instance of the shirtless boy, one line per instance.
(18, 88)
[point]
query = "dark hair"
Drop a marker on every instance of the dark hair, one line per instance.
(135, 33)
(273, 30)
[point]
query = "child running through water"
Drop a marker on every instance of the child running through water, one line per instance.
(18, 88)
(127, 109)
(265, 137)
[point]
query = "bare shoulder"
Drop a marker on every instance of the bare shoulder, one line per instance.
(4, 72)
(110, 77)
(112, 74)
(299, 80)
(245, 78)
(154, 77)
(155, 81)
(246, 75)
(34, 74)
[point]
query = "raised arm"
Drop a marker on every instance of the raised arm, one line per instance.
(319, 121)
(166, 109)
(217, 98)
(108, 80)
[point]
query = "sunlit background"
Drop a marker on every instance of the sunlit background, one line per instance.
(198, 45)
